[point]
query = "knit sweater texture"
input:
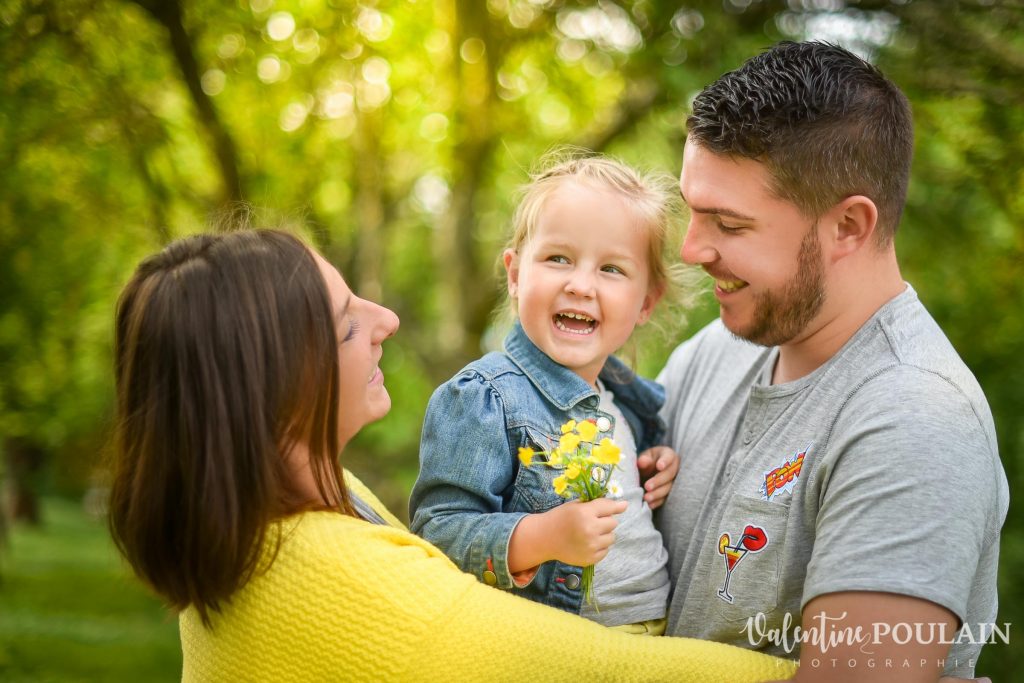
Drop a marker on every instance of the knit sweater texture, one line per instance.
(346, 600)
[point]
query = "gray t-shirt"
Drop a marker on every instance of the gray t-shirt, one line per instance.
(879, 471)
(631, 582)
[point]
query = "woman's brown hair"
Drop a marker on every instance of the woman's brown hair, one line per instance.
(225, 358)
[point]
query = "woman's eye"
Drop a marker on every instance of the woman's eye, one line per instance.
(725, 227)
(353, 327)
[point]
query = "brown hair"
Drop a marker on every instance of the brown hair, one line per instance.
(225, 358)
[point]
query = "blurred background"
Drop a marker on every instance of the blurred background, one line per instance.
(394, 135)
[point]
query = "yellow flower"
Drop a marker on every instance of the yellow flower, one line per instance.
(587, 430)
(560, 483)
(526, 456)
(554, 459)
(569, 426)
(606, 452)
(572, 471)
(568, 443)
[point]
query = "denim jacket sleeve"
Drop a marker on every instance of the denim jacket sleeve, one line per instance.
(466, 474)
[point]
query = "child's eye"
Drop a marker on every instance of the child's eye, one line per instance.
(612, 269)
(558, 259)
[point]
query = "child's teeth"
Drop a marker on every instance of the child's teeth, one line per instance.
(559, 325)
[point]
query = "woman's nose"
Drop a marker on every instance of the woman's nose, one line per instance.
(385, 323)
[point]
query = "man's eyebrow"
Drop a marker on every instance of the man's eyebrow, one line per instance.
(715, 210)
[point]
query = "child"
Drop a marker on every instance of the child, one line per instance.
(585, 266)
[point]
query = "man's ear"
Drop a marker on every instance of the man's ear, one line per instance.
(511, 260)
(855, 221)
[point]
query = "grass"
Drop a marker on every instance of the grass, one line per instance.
(71, 611)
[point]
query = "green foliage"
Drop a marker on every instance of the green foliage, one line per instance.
(395, 134)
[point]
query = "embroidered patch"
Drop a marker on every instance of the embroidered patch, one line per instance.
(753, 540)
(783, 478)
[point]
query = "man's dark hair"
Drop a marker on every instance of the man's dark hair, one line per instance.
(826, 124)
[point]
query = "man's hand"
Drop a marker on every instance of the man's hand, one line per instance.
(658, 467)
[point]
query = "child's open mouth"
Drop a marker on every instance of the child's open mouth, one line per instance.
(575, 323)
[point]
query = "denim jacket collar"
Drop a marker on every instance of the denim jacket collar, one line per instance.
(560, 385)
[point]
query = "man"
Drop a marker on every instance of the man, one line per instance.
(840, 467)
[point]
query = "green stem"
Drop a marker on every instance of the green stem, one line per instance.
(587, 586)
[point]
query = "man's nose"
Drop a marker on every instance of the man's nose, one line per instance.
(697, 246)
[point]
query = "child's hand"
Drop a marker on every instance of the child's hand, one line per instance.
(582, 532)
(658, 467)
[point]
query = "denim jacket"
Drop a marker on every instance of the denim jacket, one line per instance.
(472, 492)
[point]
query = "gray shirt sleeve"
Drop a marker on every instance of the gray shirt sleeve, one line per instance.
(907, 505)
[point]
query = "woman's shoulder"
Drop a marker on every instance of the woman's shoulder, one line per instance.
(356, 486)
(325, 582)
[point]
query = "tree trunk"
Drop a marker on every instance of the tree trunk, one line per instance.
(168, 13)
(369, 205)
(465, 287)
(24, 464)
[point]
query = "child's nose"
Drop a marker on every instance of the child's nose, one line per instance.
(581, 283)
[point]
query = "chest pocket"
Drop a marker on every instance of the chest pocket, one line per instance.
(533, 488)
(745, 555)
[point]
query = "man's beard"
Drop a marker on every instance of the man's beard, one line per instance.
(780, 316)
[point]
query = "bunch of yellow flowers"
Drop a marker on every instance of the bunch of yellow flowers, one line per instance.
(586, 464)
(586, 475)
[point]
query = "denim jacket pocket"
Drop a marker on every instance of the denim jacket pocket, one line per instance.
(533, 490)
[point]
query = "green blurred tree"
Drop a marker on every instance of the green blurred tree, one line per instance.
(395, 135)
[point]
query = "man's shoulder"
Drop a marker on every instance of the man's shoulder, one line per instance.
(921, 349)
(713, 351)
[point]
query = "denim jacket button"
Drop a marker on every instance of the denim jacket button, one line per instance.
(572, 582)
(489, 578)
(604, 424)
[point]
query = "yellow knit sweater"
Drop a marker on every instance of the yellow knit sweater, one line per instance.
(346, 600)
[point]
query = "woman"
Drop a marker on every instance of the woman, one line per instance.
(244, 365)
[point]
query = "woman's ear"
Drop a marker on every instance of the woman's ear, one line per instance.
(511, 260)
(856, 220)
